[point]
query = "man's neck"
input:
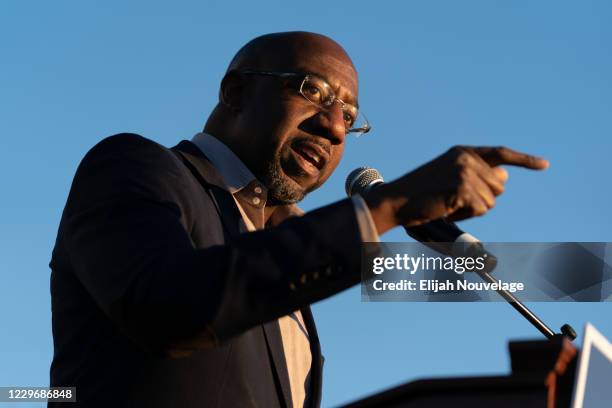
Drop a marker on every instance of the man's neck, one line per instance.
(269, 211)
(227, 140)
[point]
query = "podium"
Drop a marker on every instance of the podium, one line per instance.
(542, 376)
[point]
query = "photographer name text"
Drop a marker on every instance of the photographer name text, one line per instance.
(435, 285)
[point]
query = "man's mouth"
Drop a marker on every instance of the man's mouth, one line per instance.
(311, 157)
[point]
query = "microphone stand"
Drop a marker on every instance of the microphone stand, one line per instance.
(566, 329)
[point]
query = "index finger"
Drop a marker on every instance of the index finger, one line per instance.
(494, 156)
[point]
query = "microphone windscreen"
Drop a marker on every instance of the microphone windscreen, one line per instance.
(362, 179)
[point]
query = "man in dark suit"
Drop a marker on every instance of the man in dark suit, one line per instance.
(179, 276)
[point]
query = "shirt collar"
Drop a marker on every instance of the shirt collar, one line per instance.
(234, 172)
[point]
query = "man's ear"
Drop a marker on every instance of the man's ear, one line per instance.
(233, 90)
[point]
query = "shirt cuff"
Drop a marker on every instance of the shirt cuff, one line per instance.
(367, 228)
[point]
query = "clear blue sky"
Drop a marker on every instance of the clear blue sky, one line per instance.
(531, 75)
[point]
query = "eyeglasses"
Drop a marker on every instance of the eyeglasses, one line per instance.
(317, 91)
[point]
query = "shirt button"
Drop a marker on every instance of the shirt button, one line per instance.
(258, 190)
(256, 200)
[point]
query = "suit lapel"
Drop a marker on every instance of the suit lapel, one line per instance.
(212, 181)
(196, 158)
(275, 347)
(316, 369)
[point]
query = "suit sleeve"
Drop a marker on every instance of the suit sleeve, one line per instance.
(125, 230)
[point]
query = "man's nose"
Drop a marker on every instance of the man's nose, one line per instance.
(332, 120)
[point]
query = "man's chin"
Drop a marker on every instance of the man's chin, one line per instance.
(284, 189)
(281, 197)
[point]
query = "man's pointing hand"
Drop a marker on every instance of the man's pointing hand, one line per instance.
(461, 183)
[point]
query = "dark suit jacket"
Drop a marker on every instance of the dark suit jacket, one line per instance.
(158, 301)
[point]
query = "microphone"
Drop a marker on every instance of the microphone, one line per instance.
(445, 237)
(441, 235)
